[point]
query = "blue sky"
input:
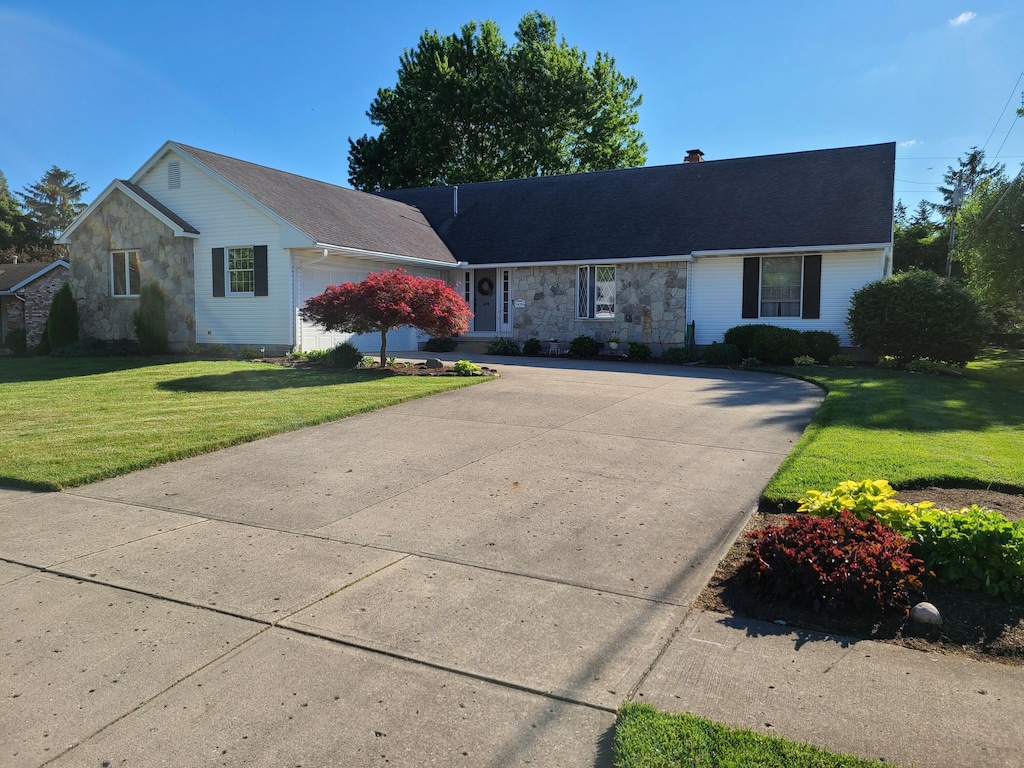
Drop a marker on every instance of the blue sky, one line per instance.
(97, 87)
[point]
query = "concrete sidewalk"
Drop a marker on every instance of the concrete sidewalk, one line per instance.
(477, 578)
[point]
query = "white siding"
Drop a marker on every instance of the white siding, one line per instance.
(312, 280)
(716, 292)
(224, 219)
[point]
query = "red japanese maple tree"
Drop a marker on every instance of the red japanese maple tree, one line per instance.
(387, 300)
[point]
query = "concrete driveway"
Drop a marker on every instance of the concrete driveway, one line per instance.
(479, 578)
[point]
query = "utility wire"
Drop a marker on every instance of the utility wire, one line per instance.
(1012, 92)
(1006, 137)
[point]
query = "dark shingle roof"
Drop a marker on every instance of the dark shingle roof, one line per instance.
(329, 214)
(829, 197)
(160, 206)
(15, 274)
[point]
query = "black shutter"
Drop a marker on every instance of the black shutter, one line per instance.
(218, 271)
(751, 286)
(262, 286)
(812, 288)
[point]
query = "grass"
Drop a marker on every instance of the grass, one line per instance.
(646, 738)
(913, 430)
(75, 420)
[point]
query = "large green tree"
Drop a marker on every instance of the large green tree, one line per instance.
(53, 202)
(469, 107)
(918, 241)
(968, 173)
(15, 233)
(990, 244)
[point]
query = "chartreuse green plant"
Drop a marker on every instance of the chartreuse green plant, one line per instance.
(647, 738)
(972, 548)
(466, 368)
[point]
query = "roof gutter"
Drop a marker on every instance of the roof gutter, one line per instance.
(388, 256)
(574, 262)
(792, 249)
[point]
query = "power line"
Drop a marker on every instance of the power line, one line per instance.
(998, 119)
(1006, 137)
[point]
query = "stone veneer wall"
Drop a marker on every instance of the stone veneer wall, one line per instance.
(31, 314)
(650, 304)
(121, 224)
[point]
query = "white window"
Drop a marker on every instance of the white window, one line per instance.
(125, 279)
(780, 286)
(241, 274)
(595, 293)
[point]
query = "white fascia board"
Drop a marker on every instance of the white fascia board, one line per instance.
(48, 268)
(791, 249)
(577, 262)
(364, 254)
(116, 184)
(287, 227)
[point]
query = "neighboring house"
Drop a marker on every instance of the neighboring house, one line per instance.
(637, 253)
(26, 292)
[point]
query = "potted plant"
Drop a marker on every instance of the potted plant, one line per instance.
(613, 342)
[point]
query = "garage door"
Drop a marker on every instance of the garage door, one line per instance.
(313, 282)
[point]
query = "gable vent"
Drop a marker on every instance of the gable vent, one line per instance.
(174, 174)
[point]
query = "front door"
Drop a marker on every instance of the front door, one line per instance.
(485, 300)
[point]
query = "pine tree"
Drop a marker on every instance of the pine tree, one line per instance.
(54, 202)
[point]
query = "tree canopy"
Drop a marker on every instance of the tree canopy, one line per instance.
(990, 244)
(469, 107)
(387, 300)
(53, 202)
(969, 172)
(918, 241)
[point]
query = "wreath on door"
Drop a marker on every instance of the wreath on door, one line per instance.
(485, 286)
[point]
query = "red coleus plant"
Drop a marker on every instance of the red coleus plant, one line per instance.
(387, 300)
(836, 562)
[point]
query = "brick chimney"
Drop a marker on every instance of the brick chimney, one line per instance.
(694, 156)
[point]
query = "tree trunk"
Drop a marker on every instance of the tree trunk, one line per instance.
(383, 345)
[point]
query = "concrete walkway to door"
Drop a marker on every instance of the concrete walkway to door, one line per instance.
(479, 578)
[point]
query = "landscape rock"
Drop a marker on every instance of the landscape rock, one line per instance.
(926, 613)
(433, 362)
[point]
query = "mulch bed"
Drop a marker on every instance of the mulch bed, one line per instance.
(416, 369)
(974, 623)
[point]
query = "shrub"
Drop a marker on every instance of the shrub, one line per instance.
(721, 354)
(777, 346)
(366, 361)
(888, 363)
(750, 362)
(924, 365)
(150, 320)
(249, 353)
(440, 344)
(16, 341)
(503, 346)
(638, 351)
(918, 314)
(821, 345)
(584, 346)
(804, 360)
(344, 356)
(466, 368)
(195, 350)
(836, 562)
(842, 361)
(43, 347)
(678, 355)
(532, 347)
(743, 335)
(974, 548)
(62, 322)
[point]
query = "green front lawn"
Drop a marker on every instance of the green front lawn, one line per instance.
(646, 738)
(75, 420)
(913, 430)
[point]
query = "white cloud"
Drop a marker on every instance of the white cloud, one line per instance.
(963, 18)
(911, 143)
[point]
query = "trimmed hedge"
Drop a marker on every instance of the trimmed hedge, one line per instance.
(821, 345)
(722, 354)
(776, 346)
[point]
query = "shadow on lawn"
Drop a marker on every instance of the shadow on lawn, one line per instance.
(267, 380)
(17, 370)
